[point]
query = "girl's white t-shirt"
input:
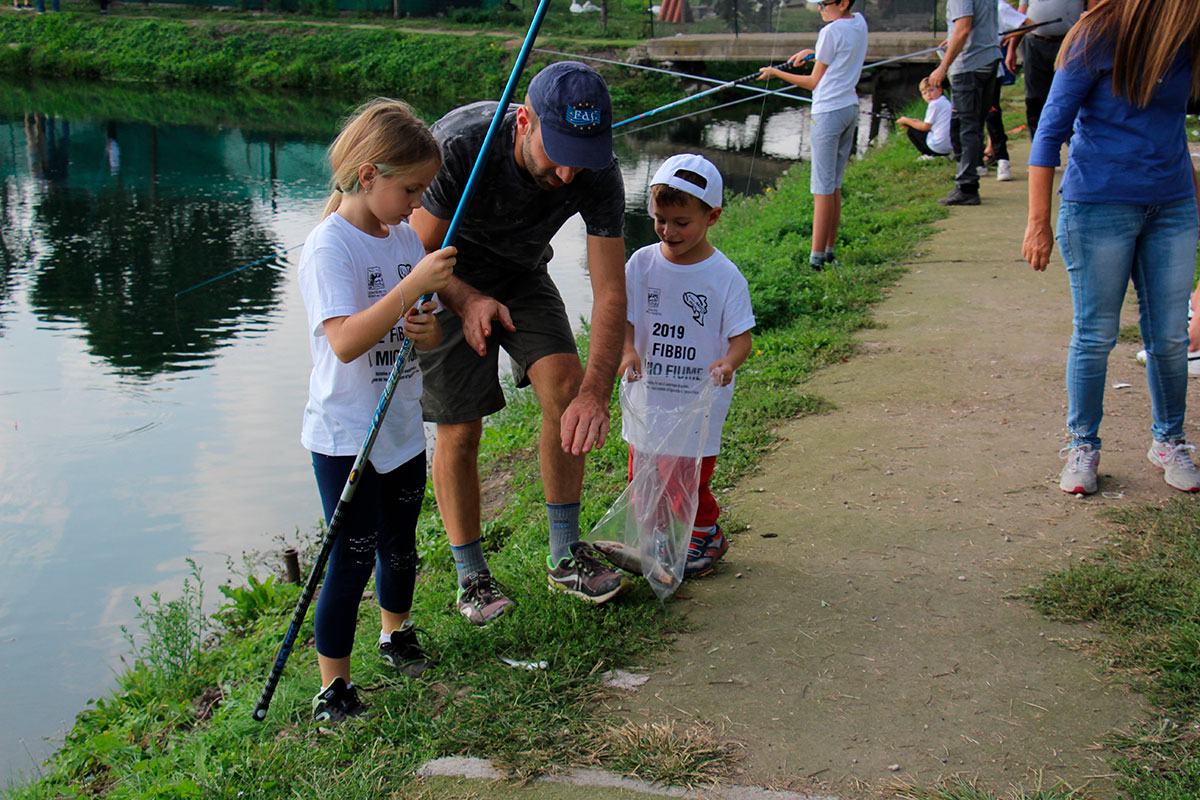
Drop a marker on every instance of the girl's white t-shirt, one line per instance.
(683, 316)
(938, 114)
(344, 270)
(842, 44)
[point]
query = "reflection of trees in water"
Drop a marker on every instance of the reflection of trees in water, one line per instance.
(117, 258)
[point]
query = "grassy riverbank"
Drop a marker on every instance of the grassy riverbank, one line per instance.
(312, 56)
(161, 735)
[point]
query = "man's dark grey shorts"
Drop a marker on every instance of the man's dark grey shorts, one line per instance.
(460, 385)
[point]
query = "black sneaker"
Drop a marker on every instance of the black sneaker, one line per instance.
(338, 703)
(404, 652)
(584, 575)
(481, 600)
(958, 197)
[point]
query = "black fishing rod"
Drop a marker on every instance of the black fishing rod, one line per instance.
(343, 504)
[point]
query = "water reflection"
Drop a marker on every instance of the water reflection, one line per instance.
(139, 426)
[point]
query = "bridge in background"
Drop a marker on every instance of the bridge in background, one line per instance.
(765, 48)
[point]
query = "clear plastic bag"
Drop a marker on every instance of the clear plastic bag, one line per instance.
(647, 529)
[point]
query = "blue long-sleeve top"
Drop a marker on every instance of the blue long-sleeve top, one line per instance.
(1120, 153)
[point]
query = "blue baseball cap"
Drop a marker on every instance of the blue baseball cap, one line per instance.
(575, 114)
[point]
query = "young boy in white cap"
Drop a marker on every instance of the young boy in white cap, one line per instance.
(688, 317)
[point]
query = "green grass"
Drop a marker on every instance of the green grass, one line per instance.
(160, 734)
(1143, 592)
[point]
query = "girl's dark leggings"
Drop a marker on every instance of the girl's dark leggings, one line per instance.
(378, 532)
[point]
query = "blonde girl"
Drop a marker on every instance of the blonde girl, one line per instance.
(361, 271)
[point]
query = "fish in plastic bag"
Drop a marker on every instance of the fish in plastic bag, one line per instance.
(647, 529)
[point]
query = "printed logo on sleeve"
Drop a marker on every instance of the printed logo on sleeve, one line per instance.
(698, 303)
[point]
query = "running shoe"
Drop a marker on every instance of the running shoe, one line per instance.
(404, 652)
(1193, 361)
(338, 703)
(481, 600)
(584, 575)
(1003, 170)
(1079, 474)
(1175, 460)
(704, 552)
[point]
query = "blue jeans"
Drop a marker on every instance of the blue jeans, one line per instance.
(1104, 247)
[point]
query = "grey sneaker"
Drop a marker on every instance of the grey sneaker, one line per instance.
(481, 600)
(1079, 474)
(404, 651)
(338, 703)
(584, 575)
(1175, 461)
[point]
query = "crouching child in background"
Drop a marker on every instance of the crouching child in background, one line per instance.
(688, 319)
(931, 136)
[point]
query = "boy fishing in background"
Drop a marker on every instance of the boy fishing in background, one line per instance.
(841, 48)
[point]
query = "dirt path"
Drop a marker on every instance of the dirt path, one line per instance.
(866, 629)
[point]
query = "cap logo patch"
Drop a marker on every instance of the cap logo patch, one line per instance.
(584, 116)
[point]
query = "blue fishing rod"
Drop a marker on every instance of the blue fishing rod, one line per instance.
(705, 93)
(340, 511)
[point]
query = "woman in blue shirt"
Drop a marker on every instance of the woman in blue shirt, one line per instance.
(1128, 212)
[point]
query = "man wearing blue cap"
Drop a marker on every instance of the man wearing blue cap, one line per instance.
(552, 159)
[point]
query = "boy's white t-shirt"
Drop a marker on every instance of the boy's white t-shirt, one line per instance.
(938, 115)
(683, 316)
(344, 270)
(842, 44)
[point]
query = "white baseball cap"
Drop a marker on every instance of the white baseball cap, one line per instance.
(711, 192)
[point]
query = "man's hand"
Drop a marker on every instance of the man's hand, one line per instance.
(937, 77)
(584, 424)
(478, 312)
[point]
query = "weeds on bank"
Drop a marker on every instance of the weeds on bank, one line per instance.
(1144, 593)
(192, 735)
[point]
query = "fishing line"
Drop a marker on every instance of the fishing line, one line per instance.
(783, 93)
(255, 263)
(762, 112)
(676, 73)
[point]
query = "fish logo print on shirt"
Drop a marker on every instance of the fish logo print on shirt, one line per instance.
(698, 303)
(375, 287)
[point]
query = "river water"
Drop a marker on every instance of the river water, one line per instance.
(140, 426)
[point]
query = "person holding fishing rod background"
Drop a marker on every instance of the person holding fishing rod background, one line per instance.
(359, 283)
(553, 159)
(838, 64)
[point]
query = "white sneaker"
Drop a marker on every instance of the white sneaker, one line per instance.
(1193, 361)
(1079, 474)
(981, 170)
(925, 157)
(1175, 460)
(1003, 170)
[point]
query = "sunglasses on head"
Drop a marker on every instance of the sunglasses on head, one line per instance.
(824, 3)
